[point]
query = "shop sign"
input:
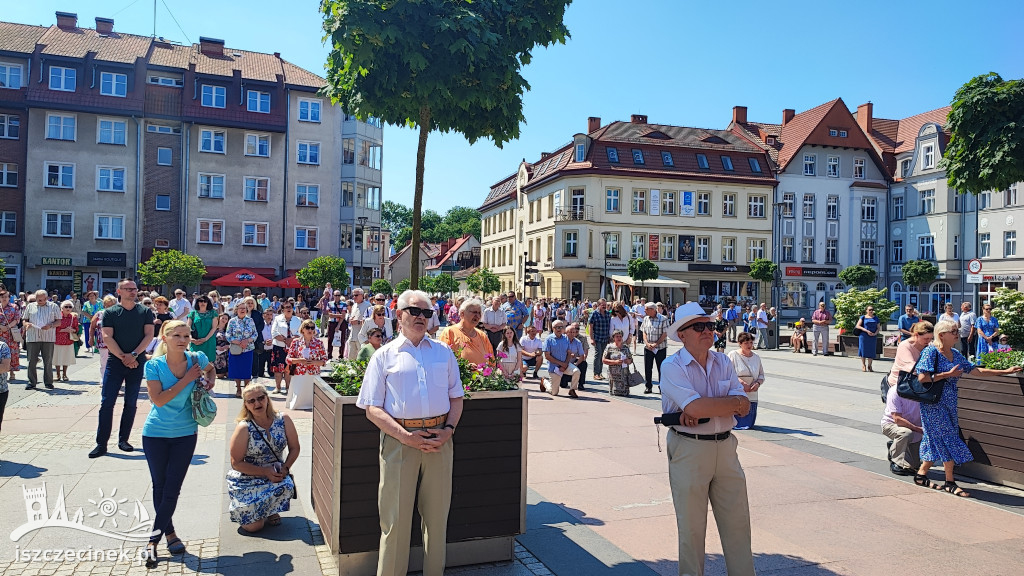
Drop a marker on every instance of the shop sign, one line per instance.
(655, 205)
(76, 281)
(686, 205)
(718, 268)
(655, 247)
(1003, 278)
(244, 277)
(109, 259)
(56, 261)
(617, 266)
(804, 271)
(686, 244)
(58, 273)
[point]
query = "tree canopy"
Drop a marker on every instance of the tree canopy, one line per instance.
(444, 284)
(858, 275)
(172, 268)
(986, 143)
(458, 220)
(763, 270)
(323, 269)
(483, 281)
(446, 65)
(917, 273)
(381, 286)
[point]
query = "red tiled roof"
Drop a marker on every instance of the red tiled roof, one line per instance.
(884, 132)
(448, 249)
(20, 37)
(757, 132)
(909, 127)
(170, 55)
(301, 77)
(77, 42)
(797, 130)
(501, 191)
(252, 65)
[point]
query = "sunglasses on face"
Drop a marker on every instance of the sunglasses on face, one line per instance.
(256, 399)
(425, 312)
(700, 327)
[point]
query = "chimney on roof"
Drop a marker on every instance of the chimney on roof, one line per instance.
(211, 46)
(67, 20)
(104, 25)
(864, 112)
(739, 114)
(638, 119)
(593, 124)
(787, 115)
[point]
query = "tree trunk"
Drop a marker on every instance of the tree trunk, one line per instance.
(417, 200)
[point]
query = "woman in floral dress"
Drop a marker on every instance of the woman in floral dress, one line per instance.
(306, 356)
(10, 318)
(258, 483)
(988, 330)
(223, 347)
(617, 358)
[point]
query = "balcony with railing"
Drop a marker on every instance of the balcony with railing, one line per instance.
(580, 213)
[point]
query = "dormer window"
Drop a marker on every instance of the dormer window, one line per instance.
(770, 140)
(727, 163)
(581, 152)
(842, 133)
(755, 166)
(833, 132)
(666, 159)
(613, 155)
(638, 156)
(702, 162)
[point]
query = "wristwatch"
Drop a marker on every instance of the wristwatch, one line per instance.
(450, 426)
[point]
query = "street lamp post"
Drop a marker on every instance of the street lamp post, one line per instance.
(604, 279)
(362, 246)
(777, 277)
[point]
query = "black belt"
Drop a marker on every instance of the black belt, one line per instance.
(721, 436)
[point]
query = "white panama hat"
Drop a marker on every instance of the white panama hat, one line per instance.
(684, 314)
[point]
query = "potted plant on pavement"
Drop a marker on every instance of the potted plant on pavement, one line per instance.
(850, 306)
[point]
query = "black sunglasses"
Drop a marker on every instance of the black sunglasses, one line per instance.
(256, 399)
(700, 327)
(425, 312)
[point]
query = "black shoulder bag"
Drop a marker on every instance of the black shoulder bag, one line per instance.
(266, 440)
(911, 388)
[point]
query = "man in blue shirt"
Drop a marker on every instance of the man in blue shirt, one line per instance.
(906, 321)
(561, 352)
(517, 313)
(732, 316)
(600, 328)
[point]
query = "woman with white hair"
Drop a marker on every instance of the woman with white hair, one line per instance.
(464, 338)
(941, 442)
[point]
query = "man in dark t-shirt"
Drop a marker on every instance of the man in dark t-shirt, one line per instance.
(127, 331)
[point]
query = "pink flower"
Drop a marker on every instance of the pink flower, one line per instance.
(487, 371)
(502, 355)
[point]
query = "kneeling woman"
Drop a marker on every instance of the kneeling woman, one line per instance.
(258, 482)
(169, 435)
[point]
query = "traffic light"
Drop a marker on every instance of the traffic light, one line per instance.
(530, 267)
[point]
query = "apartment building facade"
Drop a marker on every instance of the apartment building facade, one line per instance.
(695, 201)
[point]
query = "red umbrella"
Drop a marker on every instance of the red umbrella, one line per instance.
(290, 282)
(244, 277)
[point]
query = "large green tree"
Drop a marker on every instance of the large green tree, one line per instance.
(641, 269)
(483, 281)
(445, 65)
(172, 268)
(381, 286)
(918, 273)
(444, 284)
(395, 216)
(858, 275)
(986, 143)
(323, 269)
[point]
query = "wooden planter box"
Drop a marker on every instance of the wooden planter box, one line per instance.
(889, 351)
(849, 346)
(488, 481)
(991, 412)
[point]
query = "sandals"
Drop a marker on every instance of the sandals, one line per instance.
(174, 546)
(955, 490)
(150, 555)
(274, 520)
(923, 481)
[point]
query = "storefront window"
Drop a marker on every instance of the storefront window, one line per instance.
(986, 290)
(795, 295)
(713, 292)
(941, 292)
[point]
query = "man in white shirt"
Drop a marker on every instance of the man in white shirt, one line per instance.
(494, 321)
(762, 328)
(412, 392)
(967, 320)
(180, 305)
(286, 328)
(901, 423)
(357, 314)
(533, 350)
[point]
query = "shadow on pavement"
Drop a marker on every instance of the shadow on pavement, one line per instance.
(198, 459)
(714, 565)
(253, 563)
(779, 430)
(11, 469)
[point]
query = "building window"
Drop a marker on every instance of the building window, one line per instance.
(309, 153)
(60, 175)
(703, 203)
(666, 158)
(611, 200)
(728, 204)
(10, 76)
(703, 250)
(212, 141)
(702, 162)
(868, 209)
(788, 199)
(161, 129)
(59, 224)
(10, 126)
(638, 246)
(756, 206)
(346, 238)
(257, 101)
(927, 201)
(833, 132)
(348, 152)
(638, 156)
(956, 247)
(211, 185)
(984, 200)
(256, 189)
(581, 152)
(112, 132)
(370, 155)
(373, 198)
(867, 252)
(905, 168)
(668, 247)
(164, 156)
(958, 202)
(928, 151)
(571, 243)
(110, 179)
(842, 133)
(755, 166)
(808, 205)
(832, 208)
(728, 249)
(347, 196)
(306, 238)
(309, 110)
(639, 201)
(858, 168)
(62, 79)
(9, 175)
(897, 207)
(165, 81)
(210, 232)
(257, 145)
(254, 233)
(807, 251)
(755, 249)
(833, 167)
(1009, 243)
(613, 155)
(727, 164)
(109, 227)
(831, 251)
(1010, 196)
(213, 96)
(8, 223)
(307, 195)
(60, 127)
(984, 245)
(809, 164)
(112, 84)
(926, 247)
(786, 251)
(163, 202)
(668, 202)
(897, 251)
(611, 245)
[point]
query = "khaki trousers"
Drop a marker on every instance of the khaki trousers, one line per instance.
(702, 470)
(401, 469)
(557, 376)
(906, 446)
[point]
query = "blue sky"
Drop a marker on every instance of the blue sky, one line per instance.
(677, 61)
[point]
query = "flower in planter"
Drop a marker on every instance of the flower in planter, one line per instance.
(347, 377)
(484, 377)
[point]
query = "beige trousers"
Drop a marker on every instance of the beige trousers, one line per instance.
(556, 379)
(703, 470)
(401, 468)
(906, 446)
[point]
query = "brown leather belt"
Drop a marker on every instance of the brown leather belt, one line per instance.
(435, 422)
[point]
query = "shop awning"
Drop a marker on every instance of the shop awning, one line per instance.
(290, 282)
(244, 277)
(661, 282)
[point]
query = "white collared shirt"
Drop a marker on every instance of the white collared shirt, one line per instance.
(410, 381)
(280, 328)
(684, 381)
